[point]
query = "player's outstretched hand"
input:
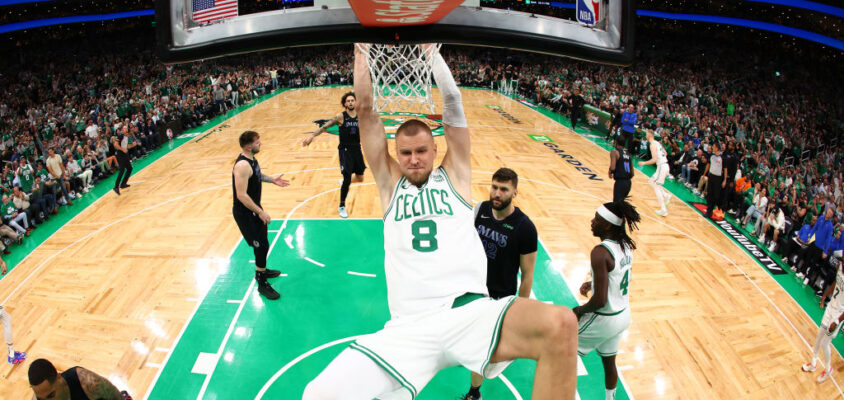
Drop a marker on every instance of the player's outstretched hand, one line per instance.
(281, 182)
(307, 141)
(3, 269)
(585, 288)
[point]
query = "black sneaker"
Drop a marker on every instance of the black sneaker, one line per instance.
(266, 290)
(116, 190)
(469, 396)
(125, 186)
(271, 273)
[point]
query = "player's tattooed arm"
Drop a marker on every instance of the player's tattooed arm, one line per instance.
(97, 387)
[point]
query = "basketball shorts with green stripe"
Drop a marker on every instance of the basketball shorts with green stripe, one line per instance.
(413, 349)
(601, 332)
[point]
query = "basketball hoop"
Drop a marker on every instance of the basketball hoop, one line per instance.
(401, 77)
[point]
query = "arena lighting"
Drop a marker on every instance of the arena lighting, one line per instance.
(38, 23)
(807, 5)
(765, 26)
(785, 30)
(10, 2)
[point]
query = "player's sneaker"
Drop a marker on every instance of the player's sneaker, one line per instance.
(266, 290)
(824, 375)
(808, 367)
(342, 212)
(468, 396)
(271, 273)
(661, 213)
(18, 358)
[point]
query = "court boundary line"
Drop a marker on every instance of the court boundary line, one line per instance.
(233, 322)
(172, 348)
(765, 295)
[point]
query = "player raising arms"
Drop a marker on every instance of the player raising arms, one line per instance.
(435, 266)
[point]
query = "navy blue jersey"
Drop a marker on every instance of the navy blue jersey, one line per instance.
(623, 166)
(253, 186)
(349, 133)
(504, 242)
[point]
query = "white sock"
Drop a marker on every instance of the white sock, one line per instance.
(11, 351)
(610, 394)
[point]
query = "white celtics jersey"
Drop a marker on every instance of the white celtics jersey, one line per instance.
(619, 279)
(836, 304)
(661, 157)
(432, 252)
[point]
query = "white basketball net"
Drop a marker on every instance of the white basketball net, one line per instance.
(401, 77)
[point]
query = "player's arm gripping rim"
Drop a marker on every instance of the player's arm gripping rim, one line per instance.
(373, 138)
(602, 264)
(457, 161)
(97, 387)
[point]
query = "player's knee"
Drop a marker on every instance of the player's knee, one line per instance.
(561, 326)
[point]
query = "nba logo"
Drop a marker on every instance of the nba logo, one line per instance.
(588, 11)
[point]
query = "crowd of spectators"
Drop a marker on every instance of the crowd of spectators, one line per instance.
(61, 110)
(777, 116)
(777, 119)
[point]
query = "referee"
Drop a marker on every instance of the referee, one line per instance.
(509, 239)
(123, 142)
(621, 170)
(714, 172)
(250, 217)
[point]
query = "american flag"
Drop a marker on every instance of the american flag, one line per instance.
(210, 10)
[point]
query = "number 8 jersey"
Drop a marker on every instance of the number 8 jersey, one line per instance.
(432, 252)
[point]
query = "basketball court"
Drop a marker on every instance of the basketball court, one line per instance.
(154, 288)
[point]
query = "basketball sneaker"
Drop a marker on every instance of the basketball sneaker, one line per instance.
(469, 396)
(342, 212)
(266, 290)
(808, 367)
(271, 273)
(824, 375)
(18, 358)
(661, 213)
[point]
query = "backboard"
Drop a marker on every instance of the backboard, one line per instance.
(189, 30)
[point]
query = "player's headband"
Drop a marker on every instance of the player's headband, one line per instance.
(608, 215)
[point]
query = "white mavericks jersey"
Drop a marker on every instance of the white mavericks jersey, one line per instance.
(619, 279)
(661, 157)
(432, 252)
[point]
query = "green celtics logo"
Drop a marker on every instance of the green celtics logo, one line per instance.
(392, 121)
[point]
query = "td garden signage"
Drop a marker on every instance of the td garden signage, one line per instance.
(392, 121)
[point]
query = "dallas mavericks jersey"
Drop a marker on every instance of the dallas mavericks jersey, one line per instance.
(624, 165)
(619, 279)
(661, 157)
(432, 252)
(349, 131)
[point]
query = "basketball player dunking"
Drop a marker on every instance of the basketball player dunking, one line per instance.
(251, 218)
(659, 158)
(351, 159)
(606, 315)
(435, 267)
